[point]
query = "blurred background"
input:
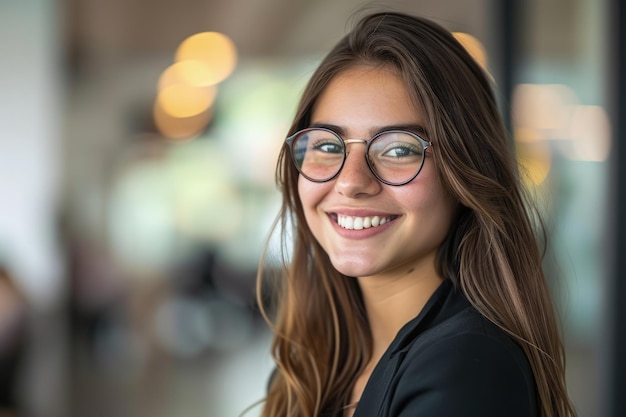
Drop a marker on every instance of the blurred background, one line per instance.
(137, 147)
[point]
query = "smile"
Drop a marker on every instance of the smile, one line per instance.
(359, 223)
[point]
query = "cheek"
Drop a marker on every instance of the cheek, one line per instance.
(442, 209)
(427, 198)
(310, 195)
(303, 192)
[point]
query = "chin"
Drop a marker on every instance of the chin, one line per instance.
(352, 269)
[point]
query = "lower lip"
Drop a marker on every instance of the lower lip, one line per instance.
(362, 233)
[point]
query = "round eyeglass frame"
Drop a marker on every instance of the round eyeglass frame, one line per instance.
(291, 140)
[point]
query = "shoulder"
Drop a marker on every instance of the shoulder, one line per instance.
(468, 341)
(465, 366)
(467, 328)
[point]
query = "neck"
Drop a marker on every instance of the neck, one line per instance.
(391, 301)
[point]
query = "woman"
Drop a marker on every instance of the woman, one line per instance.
(414, 285)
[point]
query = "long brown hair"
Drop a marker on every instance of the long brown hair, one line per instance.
(322, 339)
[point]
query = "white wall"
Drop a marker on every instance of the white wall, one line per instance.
(30, 125)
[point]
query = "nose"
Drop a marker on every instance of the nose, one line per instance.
(355, 179)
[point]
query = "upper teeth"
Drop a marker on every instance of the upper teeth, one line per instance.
(358, 223)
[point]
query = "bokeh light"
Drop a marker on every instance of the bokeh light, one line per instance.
(590, 133)
(180, 128)
(533, 156)
(552, 112)
(474, 47)
(187, 89)
(182, 100)
(543, 106)
(215, 51)
(192, 73)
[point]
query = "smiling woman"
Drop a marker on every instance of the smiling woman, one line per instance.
(415, 284)
(365, 101)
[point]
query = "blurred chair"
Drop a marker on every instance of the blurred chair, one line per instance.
(13, 334)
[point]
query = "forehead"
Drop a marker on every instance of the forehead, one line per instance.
(364, 97)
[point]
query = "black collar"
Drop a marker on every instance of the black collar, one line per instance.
(445, 302)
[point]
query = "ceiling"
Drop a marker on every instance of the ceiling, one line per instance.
(103, 33)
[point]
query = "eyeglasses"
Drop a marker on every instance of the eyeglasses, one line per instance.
(395, 157)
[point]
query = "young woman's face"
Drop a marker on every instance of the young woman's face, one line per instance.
(359, 103)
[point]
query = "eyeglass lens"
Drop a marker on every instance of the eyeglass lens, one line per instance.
(395, 156)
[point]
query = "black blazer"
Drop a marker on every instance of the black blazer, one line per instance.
(450, 361)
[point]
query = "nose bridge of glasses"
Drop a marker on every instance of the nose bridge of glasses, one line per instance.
(356, 166)
(352, 141)
(358, 155)
(349, 141)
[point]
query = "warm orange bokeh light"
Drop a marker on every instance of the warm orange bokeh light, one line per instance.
(474, 47)
(187, 89)
(181, 100)
(535, 160)
(193, 73)
(180, 128)
(544, 107)
(214, 50)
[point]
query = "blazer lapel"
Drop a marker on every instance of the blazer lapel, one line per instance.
(376, 388)
(380, 380)
(442, 304)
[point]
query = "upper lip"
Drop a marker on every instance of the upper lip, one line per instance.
(359, 212)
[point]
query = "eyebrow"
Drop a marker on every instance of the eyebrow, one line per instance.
(410, 127)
